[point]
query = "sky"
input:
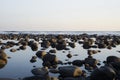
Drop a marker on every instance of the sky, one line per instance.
(59, 15)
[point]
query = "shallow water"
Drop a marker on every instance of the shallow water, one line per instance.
(19, 66)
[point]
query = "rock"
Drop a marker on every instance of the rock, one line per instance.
(50, 60)
(34, 46)
(33, 59)
(3, 55)
(40, 72)
(54, 71)
(70, 71)
(41, 54)
(22, 47)
(91, 52)
(13, 50)
(52, 51)
(103, 73)
(2, 63)
(72, 45)
(78, 63)
(112, 59)
(45, 44)
(73, 78)
(69, 55)
(91, 62)
(86, 45)
(37, 78)
(6, 79)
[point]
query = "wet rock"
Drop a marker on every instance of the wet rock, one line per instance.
(3, 55)
(50, 60)
(41, 54)
(54, 71)
(112, 59)
(2, 63)
(37, 78)
(66, 48)
(102, 45)
(98, 64)
(109, 47)
(72, 45)
(103, 73)
(40, 72)
(91, 63)
(34, 46)
(61, 45)
(69, 55)
(78, 63)
(6, 79)
(94, 46)
(23, 42)
(13, 50)
(86, 45)
(33, 59)
(3, 59)
(52, 51)
(73, 78)
(91, 52)
(45, 44)
(22, 47)
(80, 42)
(70, 71)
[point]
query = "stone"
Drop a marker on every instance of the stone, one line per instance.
(40, 71)
(70, 71)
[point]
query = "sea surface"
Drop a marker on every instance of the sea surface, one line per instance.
(19, 65)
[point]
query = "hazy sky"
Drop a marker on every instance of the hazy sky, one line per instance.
(59, 15)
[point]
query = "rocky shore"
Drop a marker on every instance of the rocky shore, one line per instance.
(69, 70)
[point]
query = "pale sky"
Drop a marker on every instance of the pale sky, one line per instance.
(59, 15)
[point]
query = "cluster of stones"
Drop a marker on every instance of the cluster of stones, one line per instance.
(60, 42)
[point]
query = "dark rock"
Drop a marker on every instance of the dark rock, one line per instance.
(52, 51)
(69, 55)
(33, 59)
(40, 72)
(13, 50)
(78, 63)
(22, 47)
(72, 45)
(112, 59)
(103, 73)
(70, 71)
(34, 46)
(50, 60)
(41, 54)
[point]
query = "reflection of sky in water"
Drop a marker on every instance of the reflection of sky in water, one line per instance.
(19, 65)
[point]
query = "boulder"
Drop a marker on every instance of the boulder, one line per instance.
(112, 59)
(78, 63)
(34, 46)
(40, 72)
(69, 55)
(41, 54)
(70, 71)
(13, 50)
(103, 73)
(33, 59)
